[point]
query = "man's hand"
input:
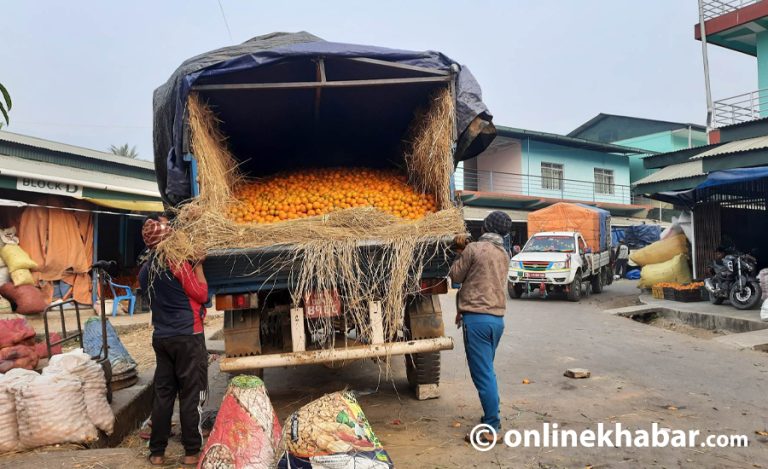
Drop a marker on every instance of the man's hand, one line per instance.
(458, 319)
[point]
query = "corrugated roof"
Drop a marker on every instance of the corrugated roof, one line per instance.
(685, 170)
(19, 167)
(75, 150)
(565, 140)
(737, 146)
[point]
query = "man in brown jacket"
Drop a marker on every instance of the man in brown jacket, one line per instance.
(482, 270)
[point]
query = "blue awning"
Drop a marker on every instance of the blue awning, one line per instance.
(727, 177)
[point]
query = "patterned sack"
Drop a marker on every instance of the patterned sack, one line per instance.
(9, 428)
(247, 432)
(332, 432)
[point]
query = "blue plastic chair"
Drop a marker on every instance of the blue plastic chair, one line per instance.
(117, 299)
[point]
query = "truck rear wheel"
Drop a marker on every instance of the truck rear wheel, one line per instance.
(422, 368)
(515, 290)
(574, 290)
(597, 282)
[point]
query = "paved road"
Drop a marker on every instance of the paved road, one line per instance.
(640, 374)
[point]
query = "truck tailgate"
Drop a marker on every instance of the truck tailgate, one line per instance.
(250, 270)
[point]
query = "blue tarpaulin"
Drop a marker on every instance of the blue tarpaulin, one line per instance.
(269, 127)
(714, 179)
(639, 236)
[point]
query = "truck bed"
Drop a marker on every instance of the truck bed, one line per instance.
(252, 270)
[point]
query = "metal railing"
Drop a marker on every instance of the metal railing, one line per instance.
(715, 8)
(539, 186)
(741, 108)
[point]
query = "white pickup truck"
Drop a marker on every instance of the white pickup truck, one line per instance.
(559, 261)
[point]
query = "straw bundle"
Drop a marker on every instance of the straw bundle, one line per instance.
(324, 251)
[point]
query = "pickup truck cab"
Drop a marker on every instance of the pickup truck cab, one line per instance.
(558, 261)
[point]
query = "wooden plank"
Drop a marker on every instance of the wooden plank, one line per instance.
(377, 325)
(298, 338)
(317, 84)
(400, 66)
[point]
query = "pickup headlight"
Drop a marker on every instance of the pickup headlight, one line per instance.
(558, 265)
(515, 265)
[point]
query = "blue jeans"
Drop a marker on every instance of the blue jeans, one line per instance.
(481, 337)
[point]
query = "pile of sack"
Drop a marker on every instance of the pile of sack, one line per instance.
(665, 260)
(18, 348)
(67, 403)
(16, 282)
(329, 432)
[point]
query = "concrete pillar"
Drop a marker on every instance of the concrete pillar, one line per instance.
(762, 72)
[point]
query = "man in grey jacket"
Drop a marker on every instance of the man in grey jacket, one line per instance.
(482, 269)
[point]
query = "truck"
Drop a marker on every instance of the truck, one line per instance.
(288, 101)
(568, 245)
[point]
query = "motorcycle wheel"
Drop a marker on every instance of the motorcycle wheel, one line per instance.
(746, 298)
(715, 300)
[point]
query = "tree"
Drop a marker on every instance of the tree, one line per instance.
(5, 104)
(124, 150)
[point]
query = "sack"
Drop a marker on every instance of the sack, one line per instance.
(764, 311)
(51, 410)
(247, 431)
(22, 277)
(661, 251)
(15, 258)
(18, 356)
(332, 432)
(673, 270)
(762, 277)
(5, 275)
(27, 298)
(81, 365)
(42, 349)
(119, 358)
(9, 428)
(15, 331)
(8, 236)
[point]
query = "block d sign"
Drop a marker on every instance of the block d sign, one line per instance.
(48, 187)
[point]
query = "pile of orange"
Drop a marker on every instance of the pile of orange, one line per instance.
(312, 192)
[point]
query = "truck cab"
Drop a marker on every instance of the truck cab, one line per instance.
(558, 261)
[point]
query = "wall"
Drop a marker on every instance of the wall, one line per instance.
(578, 172)
(661, 142)
(504, 160)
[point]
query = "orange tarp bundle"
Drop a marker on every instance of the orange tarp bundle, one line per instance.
(563, 216)
(61, 242)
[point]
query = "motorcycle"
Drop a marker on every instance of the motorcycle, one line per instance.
(735, 279)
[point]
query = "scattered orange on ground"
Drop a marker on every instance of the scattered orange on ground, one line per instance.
(288, 196)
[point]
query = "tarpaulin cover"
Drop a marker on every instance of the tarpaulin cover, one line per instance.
(617, 236)
(121, 360)
(61, 243)
(217, 66)
(714, 179)
(593, 223)
(639, 236)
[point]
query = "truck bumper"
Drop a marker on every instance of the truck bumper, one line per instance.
(556, 278)
(235, 364)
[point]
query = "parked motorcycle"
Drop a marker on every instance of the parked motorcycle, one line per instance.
(735, 279)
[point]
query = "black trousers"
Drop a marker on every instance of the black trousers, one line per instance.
(621, 267)
(182, 369)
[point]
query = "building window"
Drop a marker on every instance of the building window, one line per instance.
(552, 176)
(604, 181)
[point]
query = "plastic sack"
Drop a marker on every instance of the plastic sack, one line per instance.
(16, 258)
(18, 356)
(762, 277)
(8, 236)
(80, 364)
(121, 360)
(633, 274)
(673, 270)
(764, 311)
(661, 251)
(5, 275)
(15, 331)
(247, 432)
(27, 298)
(332, 432)
(51, 410)
(22, 277)
(9, 427)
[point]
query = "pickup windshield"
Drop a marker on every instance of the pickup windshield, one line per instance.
(550, 244)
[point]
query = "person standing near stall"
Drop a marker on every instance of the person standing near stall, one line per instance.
(177, 297)
(482, 268)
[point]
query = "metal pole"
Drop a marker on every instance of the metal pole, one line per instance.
(707, 88)
(94, 280)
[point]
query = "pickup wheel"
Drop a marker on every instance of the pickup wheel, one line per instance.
(597, 282)
(574, 290)
(515, 290)
(422, 368)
